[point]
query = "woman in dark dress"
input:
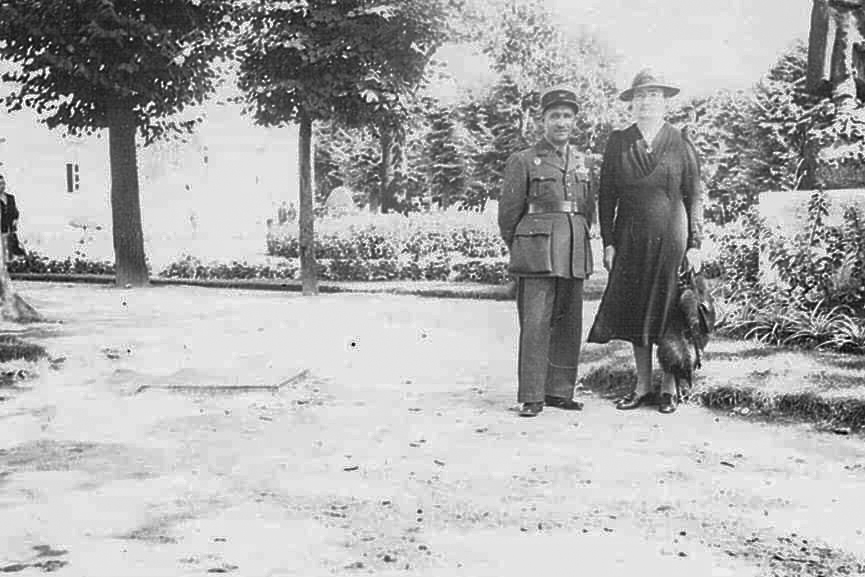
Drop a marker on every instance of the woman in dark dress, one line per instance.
(650, 216)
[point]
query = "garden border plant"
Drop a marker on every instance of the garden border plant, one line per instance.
(812, 297)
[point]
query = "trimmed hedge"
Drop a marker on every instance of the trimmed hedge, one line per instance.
(486, 271)
(435, 268)
(418, 236)
(442, 246)
(34, 263)
(191, 267)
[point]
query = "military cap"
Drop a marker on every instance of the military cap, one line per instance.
(646, 78)
(559, 95)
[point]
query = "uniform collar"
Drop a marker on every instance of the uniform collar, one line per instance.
(548, 154)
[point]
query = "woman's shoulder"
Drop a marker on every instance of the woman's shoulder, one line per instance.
(673, 131)
(619, 135)
(680, 135)
(624, 130)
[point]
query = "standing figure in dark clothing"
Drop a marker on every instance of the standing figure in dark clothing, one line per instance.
(650, 213)
(8, 221)
(544, 215)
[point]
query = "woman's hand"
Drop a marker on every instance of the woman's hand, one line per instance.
(695, 259)
(609, 257)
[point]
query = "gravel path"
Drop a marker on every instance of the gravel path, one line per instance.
(385, 444)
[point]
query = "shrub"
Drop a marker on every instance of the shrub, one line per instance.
(391, 236)
(34, 263)
(486, 271)
(824, 263)
(779, 320)
(813, 296)
(190, 267)
(359, 270)
(737, 252)
(434, 268)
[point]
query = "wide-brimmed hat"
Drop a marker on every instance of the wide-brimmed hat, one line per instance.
(646, 78)
(559, 95)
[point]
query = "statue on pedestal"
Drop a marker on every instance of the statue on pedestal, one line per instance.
(836, 69)
(836, 51)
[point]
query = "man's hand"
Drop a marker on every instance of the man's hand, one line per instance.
(609, 257)
(695, 259)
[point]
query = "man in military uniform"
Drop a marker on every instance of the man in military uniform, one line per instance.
(545, 212)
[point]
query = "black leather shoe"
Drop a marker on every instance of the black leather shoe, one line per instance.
(531, 409)
(563, 403)
(666, 403)
(633, 401)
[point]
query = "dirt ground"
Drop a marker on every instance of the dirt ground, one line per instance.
(387, 443)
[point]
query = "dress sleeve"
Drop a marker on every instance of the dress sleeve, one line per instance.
(692, 194)
(514, 197)
(608, 195)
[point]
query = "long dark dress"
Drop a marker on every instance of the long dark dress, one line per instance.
(650, 209)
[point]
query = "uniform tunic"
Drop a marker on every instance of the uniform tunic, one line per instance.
(650, 210)
(550, 255)
(552, 244)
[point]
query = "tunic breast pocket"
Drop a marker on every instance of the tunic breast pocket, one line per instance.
(542, 185)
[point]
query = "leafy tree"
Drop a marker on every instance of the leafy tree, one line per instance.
(528, 45)
(530, 51)
(723, 131)
(798, 139)
(781, 123)
(122, 65)
(448, 162)
(776, 136)
(346, 157)
(316, 60)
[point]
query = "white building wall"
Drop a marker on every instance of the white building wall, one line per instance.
(217, 208)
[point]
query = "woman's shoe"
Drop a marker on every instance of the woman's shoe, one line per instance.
(632, 401)
(667, 403)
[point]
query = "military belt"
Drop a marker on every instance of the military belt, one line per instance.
(554, 206)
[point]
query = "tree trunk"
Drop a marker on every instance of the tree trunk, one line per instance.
(129, 262)
(14, 308)
(308, 267)
(386, 170)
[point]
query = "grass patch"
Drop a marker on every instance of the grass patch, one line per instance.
(614, 382)
(13, 348)
(773, 383)
(809, 406)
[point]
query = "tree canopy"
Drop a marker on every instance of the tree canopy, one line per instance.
(124, 65)
(75, 58)
(352, 60)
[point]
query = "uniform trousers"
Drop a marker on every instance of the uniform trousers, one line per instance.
(550, 313)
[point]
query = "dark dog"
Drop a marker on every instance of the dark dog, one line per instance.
(680, 349)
